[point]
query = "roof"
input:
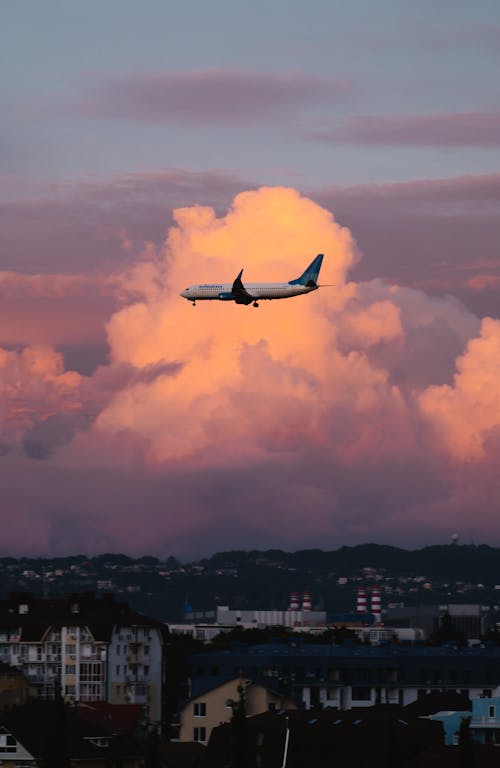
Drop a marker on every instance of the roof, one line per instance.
(100, 615)
(483, 756)
(381, 735)
(185, 754)
(202, 686)
(440, 702)
(43, 725)
(389, 652)
(114, 718)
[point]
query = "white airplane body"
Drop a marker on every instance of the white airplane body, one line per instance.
(251, 293)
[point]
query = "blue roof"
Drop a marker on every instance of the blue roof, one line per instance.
(394, 651)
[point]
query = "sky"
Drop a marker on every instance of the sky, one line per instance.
(146, 147)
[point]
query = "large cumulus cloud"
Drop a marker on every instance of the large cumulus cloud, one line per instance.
(350, 413)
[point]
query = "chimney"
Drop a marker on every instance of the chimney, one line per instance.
(306, 601)
(294, 602)
(361, 600)
(376, 604)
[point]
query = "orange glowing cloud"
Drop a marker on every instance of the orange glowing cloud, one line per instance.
(273, 234)
(466, 414)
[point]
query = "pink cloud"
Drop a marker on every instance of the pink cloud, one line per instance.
(476, 129)
(210, 96)
(320, 419)
(466, 414)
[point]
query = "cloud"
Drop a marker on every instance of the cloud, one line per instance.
(34, 387)
(468, 129)
(431, 234)
(211, 96)
(352, 413)
(466, 415)
(80, 229)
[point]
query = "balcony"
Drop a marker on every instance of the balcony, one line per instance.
(485, 722)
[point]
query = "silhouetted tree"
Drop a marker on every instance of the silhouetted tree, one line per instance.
(447, 633)
(239, 757)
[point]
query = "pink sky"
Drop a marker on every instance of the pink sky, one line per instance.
(141, 152)
(367, 411)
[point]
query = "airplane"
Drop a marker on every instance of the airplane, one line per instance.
(252, 293)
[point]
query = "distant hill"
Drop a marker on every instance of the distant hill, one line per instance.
(160, 587)
(466, 562)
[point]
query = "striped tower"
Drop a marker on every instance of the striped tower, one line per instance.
(361, 600)
(294, 602)
(306, 601)
(376, 604)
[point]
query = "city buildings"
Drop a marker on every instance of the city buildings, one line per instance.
(346, 676)
(90, 649)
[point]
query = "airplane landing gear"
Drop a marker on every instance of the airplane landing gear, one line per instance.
(255, 304)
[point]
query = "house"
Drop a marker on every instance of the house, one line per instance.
(485, 721)
(51, 733)
(216, 705)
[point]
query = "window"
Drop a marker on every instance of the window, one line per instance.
(118, 650)
(272, 706)
(7, 743)
(70, 669)
(360, 693)
(117, 669)
(199, 734)
(491, 711)
(146, 650)
(91, 672)
(91, 692)
(200, 709)
(146, 669)
(69, 690)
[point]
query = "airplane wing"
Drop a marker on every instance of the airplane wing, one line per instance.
(240, 293)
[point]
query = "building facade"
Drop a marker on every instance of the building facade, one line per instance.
(343, 677)
(215, 706)
(485, 721)
(90, 649)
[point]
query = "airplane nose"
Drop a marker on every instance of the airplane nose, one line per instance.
(183, 294)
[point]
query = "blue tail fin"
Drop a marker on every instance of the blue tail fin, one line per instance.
(310, 276)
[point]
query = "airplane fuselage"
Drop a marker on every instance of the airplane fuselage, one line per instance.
(252, 293)
(260, 291)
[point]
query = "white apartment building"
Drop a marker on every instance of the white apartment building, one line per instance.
(91, 649)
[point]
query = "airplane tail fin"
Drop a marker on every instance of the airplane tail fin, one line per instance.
(310, 276)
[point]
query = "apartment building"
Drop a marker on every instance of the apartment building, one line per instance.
(92, 649)
(343, 677)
